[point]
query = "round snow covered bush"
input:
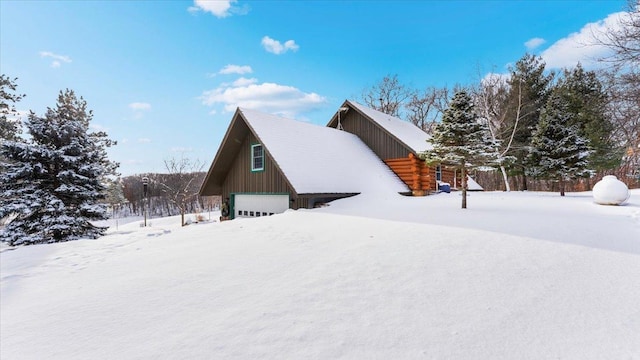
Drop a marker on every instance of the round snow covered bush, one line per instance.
(610, 191)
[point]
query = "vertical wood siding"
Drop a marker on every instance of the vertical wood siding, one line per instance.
(383, 144)
(240, 178)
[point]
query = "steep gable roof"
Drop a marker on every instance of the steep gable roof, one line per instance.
(410, 135)
(313, 159)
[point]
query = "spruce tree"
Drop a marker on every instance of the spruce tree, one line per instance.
(529, 88)
(587, 101)
(460, 140)
(53, 183)
(9, 124)
(557, 151)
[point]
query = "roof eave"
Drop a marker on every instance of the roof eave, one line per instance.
(351, 106)
(212, 184)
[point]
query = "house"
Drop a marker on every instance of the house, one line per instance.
(267, 164)
(398, 143)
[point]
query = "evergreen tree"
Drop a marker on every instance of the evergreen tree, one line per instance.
(557, 151)
(9, 128)
(461, 140)
(54, 182)
(529, 87)
(587, 101)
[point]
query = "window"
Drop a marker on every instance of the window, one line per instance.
(438, 173)
(257, 157)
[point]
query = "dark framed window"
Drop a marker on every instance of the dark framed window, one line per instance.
(257, 157)
(438, 173)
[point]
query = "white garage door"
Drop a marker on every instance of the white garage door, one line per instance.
(254, 205)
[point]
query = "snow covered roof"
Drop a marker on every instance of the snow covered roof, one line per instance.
(318, 159)
(412, 136)
(313, 158)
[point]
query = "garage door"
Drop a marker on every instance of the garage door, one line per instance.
(254, 205)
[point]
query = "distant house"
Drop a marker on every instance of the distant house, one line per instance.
(398, 143)
(267, 164)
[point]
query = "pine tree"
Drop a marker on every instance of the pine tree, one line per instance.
(9, 128)
(587, 101)
(461, 140)
(557, 151)
(529, 88)
(53, 182)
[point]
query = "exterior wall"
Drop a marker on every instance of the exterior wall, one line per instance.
(309, 201)
(419, 177)
(448, 176)
(413, 172)
(382, 144)
(240, 178)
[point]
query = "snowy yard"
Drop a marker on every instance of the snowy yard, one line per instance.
(515, 276)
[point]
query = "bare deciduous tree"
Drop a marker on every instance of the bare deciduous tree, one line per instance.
(180, 186)
(491, 96)
(425, 107)
(387, 96)
(624, 39)
(623, 83)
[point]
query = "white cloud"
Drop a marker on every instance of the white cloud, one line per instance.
(219, 8)
(244, 82)
(534, 43)
(274, 46)
(57, 59)
(268, 97)
(236, 69)
(144, 140)
(140, 106)
(581, 46)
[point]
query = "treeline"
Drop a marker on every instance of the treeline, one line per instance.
(601, 107)
(167, 195)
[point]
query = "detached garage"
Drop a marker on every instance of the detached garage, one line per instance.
(255, 205)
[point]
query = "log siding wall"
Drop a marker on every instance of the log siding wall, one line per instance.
(417, 175)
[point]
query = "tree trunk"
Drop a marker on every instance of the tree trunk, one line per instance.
(524, 182)
(587, 183)
(464, 187)
(561, 187)
(506, 179)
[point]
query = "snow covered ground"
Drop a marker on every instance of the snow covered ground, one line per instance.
(515, 276)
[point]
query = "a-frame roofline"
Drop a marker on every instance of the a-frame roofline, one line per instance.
(407, 134)
(238, 130)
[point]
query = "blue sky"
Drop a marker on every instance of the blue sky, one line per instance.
(164, 77)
